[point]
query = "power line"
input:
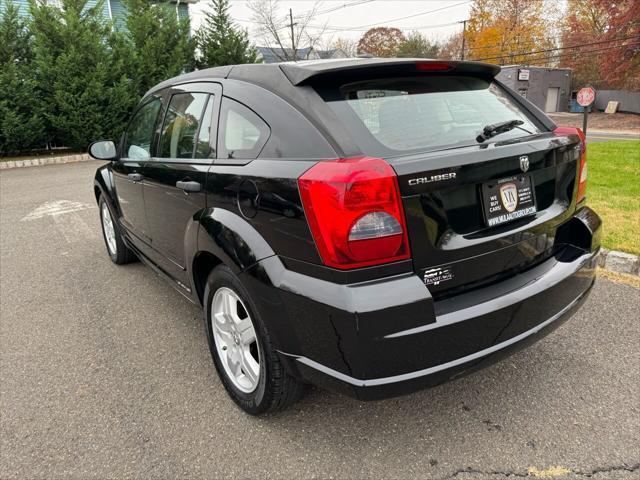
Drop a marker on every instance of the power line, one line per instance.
(364, 27)
(504, 45)
(348, 29)
(584, 54)
(559, 48)
(346, 5)
(321, 12)
(403, 18)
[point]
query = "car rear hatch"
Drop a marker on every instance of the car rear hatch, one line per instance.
(480, 204)
(457, 241)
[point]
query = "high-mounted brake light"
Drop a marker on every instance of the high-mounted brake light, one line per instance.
(355, 212)
(582, 171)
(433, 66)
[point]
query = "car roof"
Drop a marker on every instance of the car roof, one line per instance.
(301, 72)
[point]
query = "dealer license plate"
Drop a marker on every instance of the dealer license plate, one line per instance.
(508, 199)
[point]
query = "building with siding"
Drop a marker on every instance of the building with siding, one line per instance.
(112, 9)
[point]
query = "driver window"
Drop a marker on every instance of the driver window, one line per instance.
(140, 132)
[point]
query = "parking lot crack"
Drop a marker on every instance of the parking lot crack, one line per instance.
(533, 473)
(610, 469)
(500, 473)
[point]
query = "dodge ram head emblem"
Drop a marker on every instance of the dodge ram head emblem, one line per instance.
(524, 163)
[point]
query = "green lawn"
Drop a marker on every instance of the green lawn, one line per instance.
(613, 190)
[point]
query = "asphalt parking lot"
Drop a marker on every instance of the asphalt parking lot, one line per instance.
(105, 373)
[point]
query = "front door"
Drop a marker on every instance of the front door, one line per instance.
(174, 180)
(128, 171)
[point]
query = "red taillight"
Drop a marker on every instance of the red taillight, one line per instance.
(582, 171)
(433, 66)
(355, 212)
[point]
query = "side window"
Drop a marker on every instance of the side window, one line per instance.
(242, 132)
(205, 146)
(140, 132)
(178, 135)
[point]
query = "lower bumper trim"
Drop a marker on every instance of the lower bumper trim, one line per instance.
(437, 368)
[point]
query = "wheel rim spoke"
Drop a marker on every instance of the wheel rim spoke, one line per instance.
(234, 362)
(223, 327)
(246, 331)
(250, 367)
(230, 306)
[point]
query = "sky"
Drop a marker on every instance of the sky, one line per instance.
(437, 19)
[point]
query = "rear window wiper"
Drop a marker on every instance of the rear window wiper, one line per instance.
(494, 129)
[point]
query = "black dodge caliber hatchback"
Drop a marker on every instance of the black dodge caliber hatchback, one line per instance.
(371, 226)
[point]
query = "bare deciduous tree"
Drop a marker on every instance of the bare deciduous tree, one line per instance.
(286, 32)
(347, 45)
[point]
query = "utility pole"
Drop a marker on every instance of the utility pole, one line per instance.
(293, 38)
(464, 30)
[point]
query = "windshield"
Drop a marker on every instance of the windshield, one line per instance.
(391, 115)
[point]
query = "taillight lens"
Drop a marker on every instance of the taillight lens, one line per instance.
(355, 212)
(582, 171)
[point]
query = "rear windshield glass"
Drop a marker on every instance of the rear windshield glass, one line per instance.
(398, 115)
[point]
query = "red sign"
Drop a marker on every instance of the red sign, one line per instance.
(586, 96)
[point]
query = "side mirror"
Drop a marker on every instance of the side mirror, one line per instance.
(103, 150)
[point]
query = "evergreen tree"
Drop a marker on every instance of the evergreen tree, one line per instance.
(79, 68)
(21, 127)
(161, 43)
(220, 42)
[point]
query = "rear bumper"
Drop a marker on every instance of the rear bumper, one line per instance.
(389, 337)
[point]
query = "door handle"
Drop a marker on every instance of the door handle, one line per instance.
(135, 177)
(189, 186)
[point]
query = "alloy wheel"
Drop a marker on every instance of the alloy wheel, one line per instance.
(235, 339)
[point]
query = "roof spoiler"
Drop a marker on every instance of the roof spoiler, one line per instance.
(356, 68)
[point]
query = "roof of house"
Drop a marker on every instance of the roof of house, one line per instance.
(333, 53)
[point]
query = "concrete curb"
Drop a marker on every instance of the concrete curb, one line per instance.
(619, 262)
(33, 162)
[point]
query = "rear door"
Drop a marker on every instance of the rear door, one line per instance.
(174, 185)
(477, 209)
(137, 149)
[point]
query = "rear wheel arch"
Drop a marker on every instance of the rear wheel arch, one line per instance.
(225, 238)
(232, 239)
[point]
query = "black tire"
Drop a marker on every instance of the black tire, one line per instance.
(122, 254)
(276, 390)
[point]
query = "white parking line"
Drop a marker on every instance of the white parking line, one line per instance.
(55, 208)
